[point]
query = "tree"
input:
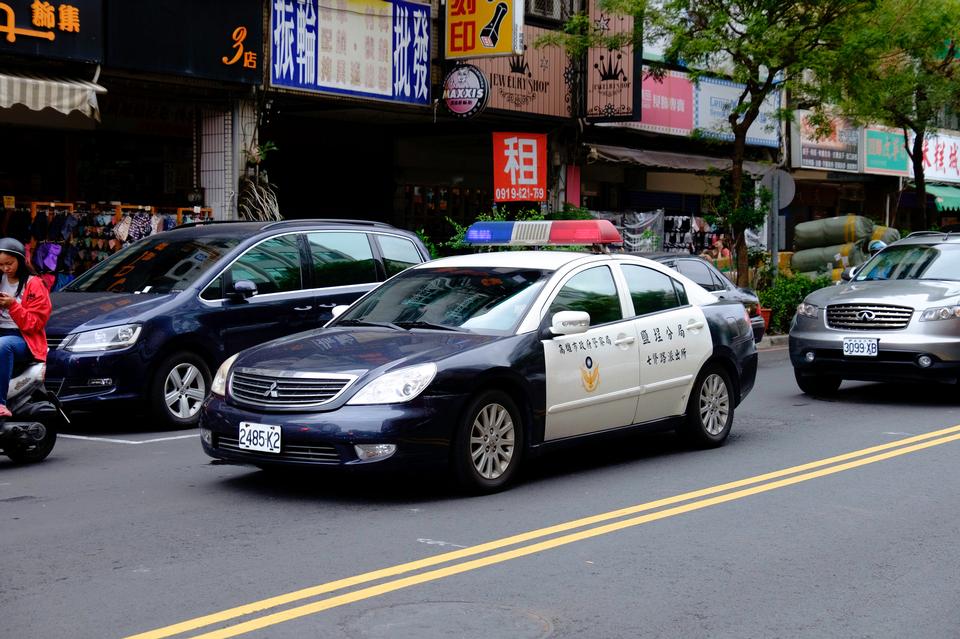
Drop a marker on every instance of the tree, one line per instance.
(899, 67)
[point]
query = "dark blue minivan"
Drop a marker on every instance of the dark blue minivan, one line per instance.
(147, 325)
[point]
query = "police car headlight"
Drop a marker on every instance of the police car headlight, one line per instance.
(103, 339)
(219, 385)
(396, 387)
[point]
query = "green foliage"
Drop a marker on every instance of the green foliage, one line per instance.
(722, 211)
(429, 243)
(783, 296)
(570, 212)
(456, 240)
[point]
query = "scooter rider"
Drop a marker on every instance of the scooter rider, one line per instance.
(24, 310)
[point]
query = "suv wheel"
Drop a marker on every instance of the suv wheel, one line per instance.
(180, 385)
(817, 384)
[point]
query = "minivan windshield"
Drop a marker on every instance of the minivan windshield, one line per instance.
(155, 265)
(913, 262)
(453, 298)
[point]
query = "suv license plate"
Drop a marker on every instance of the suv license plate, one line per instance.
(860, 347)
(260, 437)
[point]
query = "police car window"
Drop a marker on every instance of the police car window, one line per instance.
(699, 273)
(593, 291)
(475, 298)
(398, 253)
(273, 265)
(650, 290)
(155, 265)
(341, 259)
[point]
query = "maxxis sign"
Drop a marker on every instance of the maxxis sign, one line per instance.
(465, 91)
(519, 167)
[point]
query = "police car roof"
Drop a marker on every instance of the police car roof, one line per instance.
(545, 260)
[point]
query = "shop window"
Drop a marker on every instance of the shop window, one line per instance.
(341, 259)
(554, 9)
(593, 291)
(651, 290)
(398, 253)
(273, 265)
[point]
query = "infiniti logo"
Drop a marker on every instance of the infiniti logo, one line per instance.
(863, 316)
(272, 390)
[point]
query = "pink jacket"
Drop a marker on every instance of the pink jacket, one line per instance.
(31, 315)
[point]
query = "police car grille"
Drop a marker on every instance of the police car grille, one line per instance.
(319, 454)
(278, 390)
(868, 317)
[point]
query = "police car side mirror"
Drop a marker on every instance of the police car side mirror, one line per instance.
(569, 322)
(338, 310)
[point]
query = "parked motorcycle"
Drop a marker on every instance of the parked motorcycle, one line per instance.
(30, 433)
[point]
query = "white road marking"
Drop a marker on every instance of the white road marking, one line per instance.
(434, 542)
(110, 440)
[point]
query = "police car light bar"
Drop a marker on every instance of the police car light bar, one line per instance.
(555, 232)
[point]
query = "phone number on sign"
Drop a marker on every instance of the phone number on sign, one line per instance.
(523, 193)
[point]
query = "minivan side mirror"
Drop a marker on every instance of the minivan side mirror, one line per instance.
(242, 289)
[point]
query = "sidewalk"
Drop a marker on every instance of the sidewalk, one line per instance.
(773, 341)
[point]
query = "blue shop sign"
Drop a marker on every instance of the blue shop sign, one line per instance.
(363, 48)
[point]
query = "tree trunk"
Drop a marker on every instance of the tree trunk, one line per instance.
(736, 185)
(920, 187)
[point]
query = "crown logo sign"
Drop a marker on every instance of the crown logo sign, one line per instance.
(609, 68)
(519, 64)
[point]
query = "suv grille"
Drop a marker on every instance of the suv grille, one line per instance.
(868, 317)
(54, 341)
(318, 454)
(281, 389)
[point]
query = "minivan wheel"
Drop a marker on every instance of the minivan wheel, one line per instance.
(817, 385)
(180, 385)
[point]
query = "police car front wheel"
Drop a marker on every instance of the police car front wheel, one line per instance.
(486, 450)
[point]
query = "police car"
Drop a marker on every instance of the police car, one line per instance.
(480, 361)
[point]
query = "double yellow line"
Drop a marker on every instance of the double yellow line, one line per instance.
(550, 537)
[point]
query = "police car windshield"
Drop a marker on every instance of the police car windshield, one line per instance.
(913, 262)
(477, 299)
(154, 265)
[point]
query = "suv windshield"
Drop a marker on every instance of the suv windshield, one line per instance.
(155, 265)
(479, 298)
(913, 262)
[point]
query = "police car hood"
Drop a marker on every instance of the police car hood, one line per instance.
(359, 350)
(912, 293)
(73, 312)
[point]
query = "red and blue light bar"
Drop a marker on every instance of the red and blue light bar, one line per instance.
(541, 233)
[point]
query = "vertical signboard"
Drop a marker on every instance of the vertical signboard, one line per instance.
(70, 30)
(364, 48)
(839, 150)
(482, 28)
(610, 80)
(884, 152)
(519, 167)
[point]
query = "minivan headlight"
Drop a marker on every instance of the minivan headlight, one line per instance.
(396, 387)
(219, 384)
(940, 313)
(103, 339)
(808, 310)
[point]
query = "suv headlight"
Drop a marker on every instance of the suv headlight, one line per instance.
(103, 339)
(808, 310)
(219, 384)
(940, 313)
(396, 387)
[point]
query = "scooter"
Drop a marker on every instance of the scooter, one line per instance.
(29, 434)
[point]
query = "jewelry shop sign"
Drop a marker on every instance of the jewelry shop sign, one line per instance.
(362, 48)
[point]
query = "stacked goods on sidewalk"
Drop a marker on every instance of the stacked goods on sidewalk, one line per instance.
(828, 246)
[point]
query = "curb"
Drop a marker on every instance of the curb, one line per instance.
(773, 341)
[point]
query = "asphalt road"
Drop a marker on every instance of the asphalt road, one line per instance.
(817, 519)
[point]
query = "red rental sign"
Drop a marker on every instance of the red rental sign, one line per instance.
(519, 167)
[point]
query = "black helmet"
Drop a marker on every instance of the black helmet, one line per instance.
(11, 245)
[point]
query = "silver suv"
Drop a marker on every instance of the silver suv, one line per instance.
(895, 318)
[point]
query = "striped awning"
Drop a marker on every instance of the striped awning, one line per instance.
(39, 92)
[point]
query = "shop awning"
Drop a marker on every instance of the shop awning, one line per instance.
(37, 92)
(667, 160)
(946, 197)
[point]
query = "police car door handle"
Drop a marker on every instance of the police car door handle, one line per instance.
(624, 341)
(694, 325)
(330, 305)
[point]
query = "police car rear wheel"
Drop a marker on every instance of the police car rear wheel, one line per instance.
(710, 409)
(486, 451)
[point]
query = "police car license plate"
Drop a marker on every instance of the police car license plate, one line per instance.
(260, 437)
(860, 347)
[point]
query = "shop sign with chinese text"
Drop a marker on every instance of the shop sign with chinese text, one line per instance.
(519, 167)
(839, 150)
(483, 28)
(884, 152)
(214, 40)
(71, 29)
(533, 82)
(940, 157)
(716, 98)
(666, 106)
(611, 83)
(363, 48)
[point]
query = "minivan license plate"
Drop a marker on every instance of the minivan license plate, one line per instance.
(260, 437)
(860, 347)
